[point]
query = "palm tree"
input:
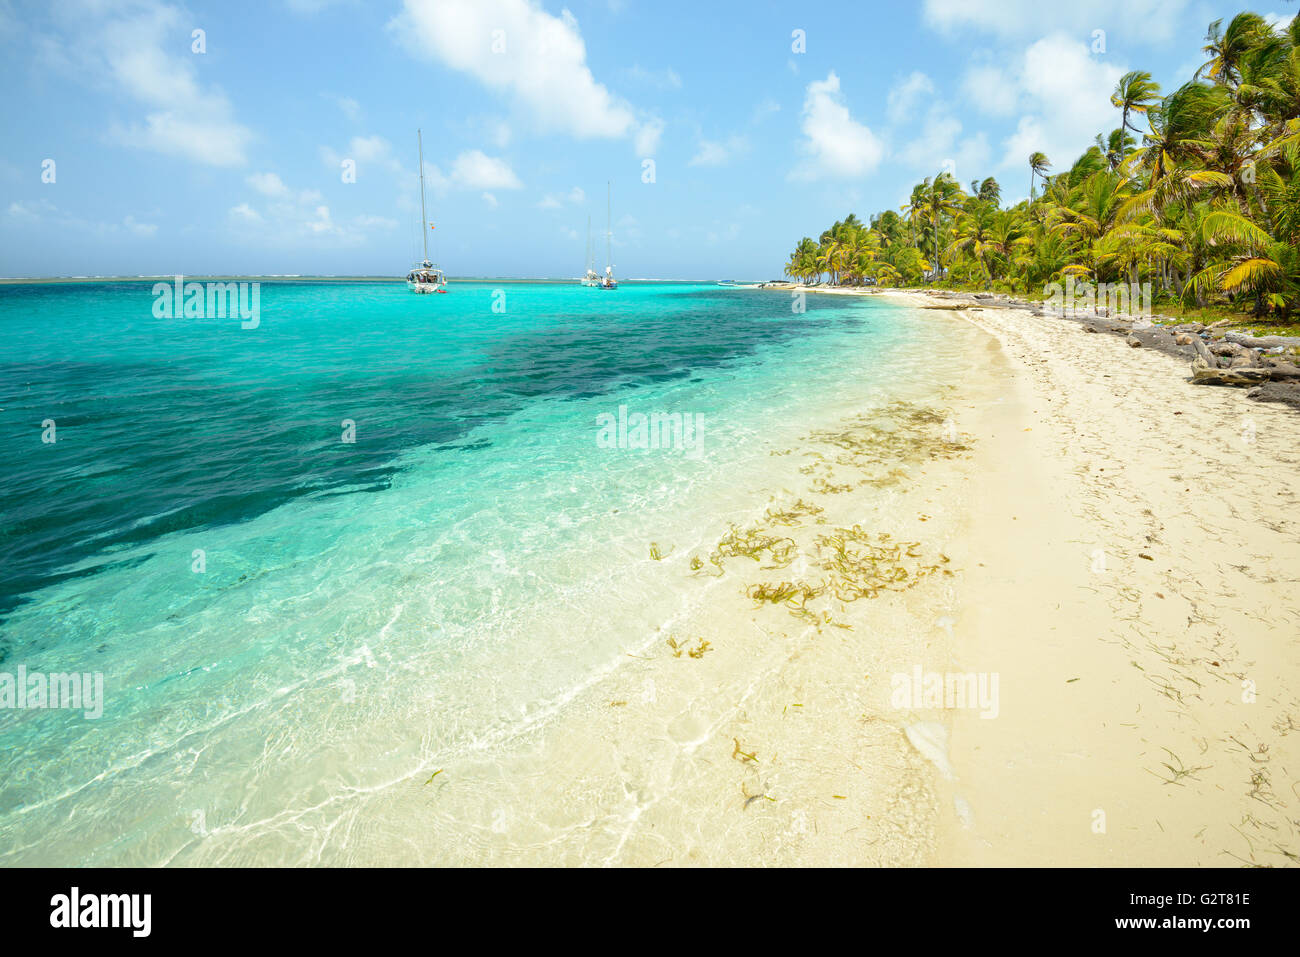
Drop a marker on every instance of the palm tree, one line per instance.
(1206, 206)
(914, 209)
(1262, 261)
(1115, 147)
(1187, 113)
(1276, 94)
(989, 191)
(974, 236)
(1038, 166)
(1088, 213)
(1227, 48)
(1135, 93)
(942, 195)
(1229, 148)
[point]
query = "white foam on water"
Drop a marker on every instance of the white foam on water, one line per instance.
(930, 738)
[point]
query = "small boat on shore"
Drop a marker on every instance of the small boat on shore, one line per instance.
(425, 277)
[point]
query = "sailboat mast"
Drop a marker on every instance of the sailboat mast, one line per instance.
(608, 221)
(424, 233)
(589, 264)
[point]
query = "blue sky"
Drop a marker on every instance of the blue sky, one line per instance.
(232, 160)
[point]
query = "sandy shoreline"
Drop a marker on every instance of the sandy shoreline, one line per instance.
(1128, 556)
(1123, 561)
(1138, 557)
(1124, 553)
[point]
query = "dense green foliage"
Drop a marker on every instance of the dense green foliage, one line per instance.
(1204, 203)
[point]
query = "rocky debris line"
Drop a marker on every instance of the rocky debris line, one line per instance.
(1267, 365)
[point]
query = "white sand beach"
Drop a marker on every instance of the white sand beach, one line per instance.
(1124, 552)
(1136, 587)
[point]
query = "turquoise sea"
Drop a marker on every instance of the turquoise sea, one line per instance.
(289, 624)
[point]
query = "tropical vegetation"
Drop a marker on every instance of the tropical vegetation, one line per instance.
(1196, 191)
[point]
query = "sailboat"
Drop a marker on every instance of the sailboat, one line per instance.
(425, 277)
(608, 281)
(592, 278)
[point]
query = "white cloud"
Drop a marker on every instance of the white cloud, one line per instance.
(907, 96)
(499, 133)
(574, 196)
(518, 49)
(135, 50)
(1067, 92)
(271, 186)
(268, 184)
(320, 221)
(245, 213)
(1137, 20)
(349, 107)
(718, 153)
(311, 7)
(43, 212)
(665, 79)
(140, 229)
(30, 211)
(835, 144)
(437, 181)
(366, 149)
(294, 216)
(473, 169)
(709, 154)
(373, 154)
(647, 136)
(991, 89)
(490, 200)
(939, 147)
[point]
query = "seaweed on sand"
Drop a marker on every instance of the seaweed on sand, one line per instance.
(752, 543)
(863, 566)
(899, 433)
(745, 756)
(699, 650)
(823, 487)
(791, 515)
(794, 594)
(701, 647)
(658, 554)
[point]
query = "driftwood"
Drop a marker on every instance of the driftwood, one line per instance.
(1243, 375)
(1261, 342)
(1204, 352)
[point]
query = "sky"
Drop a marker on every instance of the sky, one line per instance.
(144, 137)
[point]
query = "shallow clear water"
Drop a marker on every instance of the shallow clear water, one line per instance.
(370, 608)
